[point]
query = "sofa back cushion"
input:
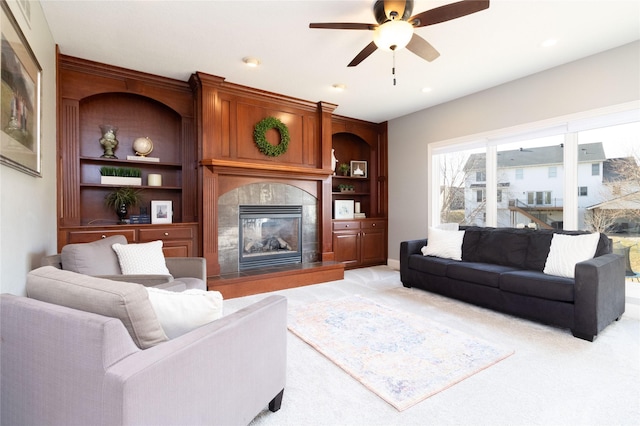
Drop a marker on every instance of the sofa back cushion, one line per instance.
(498, 246)
(95, 258)
(521, 248)
(129, 302)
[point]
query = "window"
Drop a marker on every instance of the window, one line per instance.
(582, 191)
(499, 195)
(553, 172)
(519, 174)
(481, 176)
(480, 196)
(539, 198)
(595, 169)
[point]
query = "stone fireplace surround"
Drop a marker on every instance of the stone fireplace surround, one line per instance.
(264, 193)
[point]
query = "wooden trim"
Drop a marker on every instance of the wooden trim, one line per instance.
(232, 167)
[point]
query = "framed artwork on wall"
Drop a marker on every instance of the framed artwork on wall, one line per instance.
(161, 212)
(343, 209)
(20, 111)
(359, 169)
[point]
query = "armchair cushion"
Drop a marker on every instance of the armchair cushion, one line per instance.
(129, 302)
(181, 312)
(143, 258)
(95, 258)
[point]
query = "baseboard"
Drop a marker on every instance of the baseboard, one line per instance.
(393, 264)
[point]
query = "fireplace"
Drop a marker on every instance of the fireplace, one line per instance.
(269, 235)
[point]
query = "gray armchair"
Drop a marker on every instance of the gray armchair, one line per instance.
(63, 366)
(99, 260)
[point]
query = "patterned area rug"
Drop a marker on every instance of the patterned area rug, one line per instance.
(402, 357)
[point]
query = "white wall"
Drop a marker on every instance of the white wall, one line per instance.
(28, 204)
(606, 79)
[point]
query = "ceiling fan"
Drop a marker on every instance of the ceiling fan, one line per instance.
(395, 26)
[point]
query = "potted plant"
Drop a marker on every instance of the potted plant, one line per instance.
(120, 176)
(344, 169)
(121, 199)
(346, 188)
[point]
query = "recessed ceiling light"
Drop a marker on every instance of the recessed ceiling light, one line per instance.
(251, 62)
(426, 89)
(549, 42)
(339, 87)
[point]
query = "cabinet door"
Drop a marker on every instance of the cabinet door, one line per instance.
(346, 248)
(373, 242)
(177, 241)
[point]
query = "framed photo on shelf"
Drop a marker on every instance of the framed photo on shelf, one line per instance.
(21, 102)
(161, 212)
(359, 169)
(343, 209)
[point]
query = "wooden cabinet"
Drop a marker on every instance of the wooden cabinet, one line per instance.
(362, 242)
(139, 105)
(178, 240)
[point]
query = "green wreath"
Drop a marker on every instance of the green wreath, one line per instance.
(259, 135)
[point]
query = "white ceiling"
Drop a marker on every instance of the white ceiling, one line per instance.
(479, 51)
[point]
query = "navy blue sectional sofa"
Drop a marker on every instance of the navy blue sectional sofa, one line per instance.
(501, 269)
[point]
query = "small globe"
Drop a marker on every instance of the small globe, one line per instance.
(142, 146)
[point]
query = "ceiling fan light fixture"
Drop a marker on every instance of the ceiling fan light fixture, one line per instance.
(393, 35)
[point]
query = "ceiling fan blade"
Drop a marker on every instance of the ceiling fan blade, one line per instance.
(448, 12)
(343, 26)
(422, 48)
(364, 54)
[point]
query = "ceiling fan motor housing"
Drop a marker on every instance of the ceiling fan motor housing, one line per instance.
(403, 8)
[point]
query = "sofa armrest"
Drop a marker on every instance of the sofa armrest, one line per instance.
(224, 372)
(191, 267)
(599, 294)
(407, 248)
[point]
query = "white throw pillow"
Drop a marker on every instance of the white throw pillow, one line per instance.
(145, 258)
(445, 244)
(567, 250)
(181, 312)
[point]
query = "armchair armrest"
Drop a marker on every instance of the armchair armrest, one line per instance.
(224, 372)
(191, 267)
(599, 294)
(147, 280)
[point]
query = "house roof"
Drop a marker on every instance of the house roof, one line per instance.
(531, 157)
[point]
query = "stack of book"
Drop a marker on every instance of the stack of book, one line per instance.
(359, 215)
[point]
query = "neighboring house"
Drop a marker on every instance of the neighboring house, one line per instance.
(531, 185)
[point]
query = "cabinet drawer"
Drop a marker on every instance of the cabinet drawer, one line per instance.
(346, 225)
(166, 234)
(374, 224)
(89, 236)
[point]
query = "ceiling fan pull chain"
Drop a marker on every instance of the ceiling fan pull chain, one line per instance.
(393, 69)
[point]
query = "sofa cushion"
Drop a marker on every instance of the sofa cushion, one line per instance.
(143, 258)
(470, 242)
(95, 258)
(503, 247)
(430, 264)
(538, 284)
(129, 302)
(478, 273)
(567, 250)
(443, 243)
(182, 312)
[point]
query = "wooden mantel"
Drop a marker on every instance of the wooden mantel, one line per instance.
(232, 167)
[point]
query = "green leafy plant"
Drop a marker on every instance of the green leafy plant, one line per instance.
(123, 196)
(344, 168)
(344, 187)
(120, 171)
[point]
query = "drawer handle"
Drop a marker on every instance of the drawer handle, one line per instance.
(374, 225)
(166, 234)
(103, 236)
(346, 226)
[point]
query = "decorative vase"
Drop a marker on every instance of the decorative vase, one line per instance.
(108, 140)
(122, 213)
